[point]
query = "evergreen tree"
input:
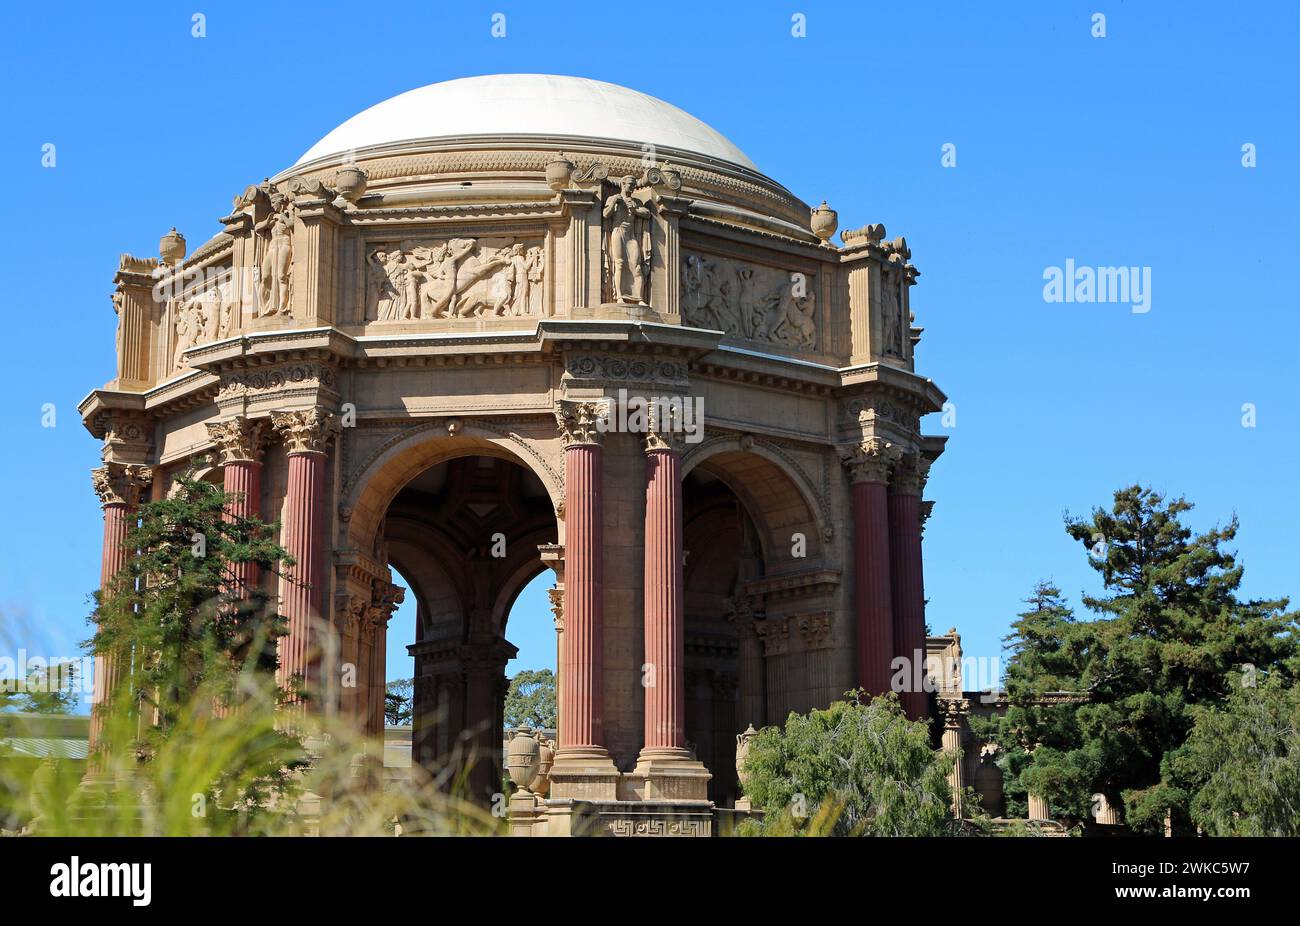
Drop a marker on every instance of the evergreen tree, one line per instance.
(187, 637)
(530, 700)
(397, 702)
(1242, 761)
(1171, 635)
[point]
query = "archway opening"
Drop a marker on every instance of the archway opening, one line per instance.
(463, 534)
(744, 521)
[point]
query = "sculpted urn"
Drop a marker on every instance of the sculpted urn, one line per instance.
(824, 222)
(172, 247)
(523, 758)
(350, 182)
(558, 172)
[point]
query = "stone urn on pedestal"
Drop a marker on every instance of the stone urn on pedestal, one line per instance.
(541, 782)
(824, 222)
(172, 247)
(523, 758)
(524, 763)
(350, 181)
(558, 171)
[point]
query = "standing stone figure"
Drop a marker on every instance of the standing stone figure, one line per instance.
(628, 223)
(536, 274)
(891, 311)
(277, 258)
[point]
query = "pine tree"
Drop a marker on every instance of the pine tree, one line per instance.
(1170, 638)
(188, 638)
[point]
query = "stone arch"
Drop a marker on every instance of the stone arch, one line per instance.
(440, 596)
(775, 491)
(506, 596)
(368, 492)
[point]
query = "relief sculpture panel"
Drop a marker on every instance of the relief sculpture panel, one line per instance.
(202, 315)
(459, 278)
(748, 301)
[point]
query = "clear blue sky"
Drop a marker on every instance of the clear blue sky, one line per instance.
(1123, 150)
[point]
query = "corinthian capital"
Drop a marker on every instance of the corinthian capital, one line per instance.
(954, 712)
(578, 421)
(664, 435)
(238, 439)
(910, 474)
(870, 461)
(121, 483)
(307, 431)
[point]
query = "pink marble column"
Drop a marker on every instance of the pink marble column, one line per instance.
(873, 619)
(581, 694)
(239, 443)
(907, 583)
(581, 679)
(306, 435)
(119, 487)
(665, 691)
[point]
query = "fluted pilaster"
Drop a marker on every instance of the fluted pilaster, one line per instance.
(306, 435)
(239, 442)
(955, 712)
(665, 710)
(581, 706)
(907, 584)
(120, 488)
(868, 465)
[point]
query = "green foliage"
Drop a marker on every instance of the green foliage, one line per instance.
(1170, 637)
(177, 621)
(208, 777)
(853, 769)
(1242, 761)
(531, 700)
(397, 702)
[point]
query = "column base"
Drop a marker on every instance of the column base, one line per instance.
(583, 773)
(667, 774)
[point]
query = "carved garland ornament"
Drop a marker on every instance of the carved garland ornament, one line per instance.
(249, 382)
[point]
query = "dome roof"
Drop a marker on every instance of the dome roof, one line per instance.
(527, 104)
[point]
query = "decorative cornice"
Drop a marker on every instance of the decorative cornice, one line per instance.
(246, 382)
(871, 460)
(794, 584)
(239, 439)
(577, 422)
(604, 368)
(121, 483)
(306, 431)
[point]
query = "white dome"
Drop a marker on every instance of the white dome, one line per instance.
(527, 104)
